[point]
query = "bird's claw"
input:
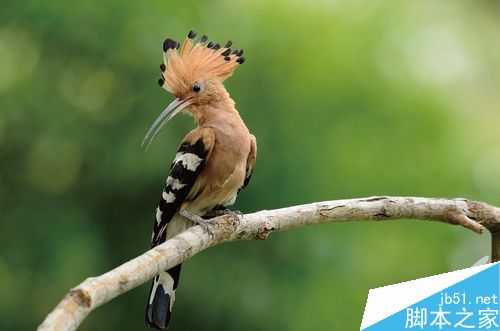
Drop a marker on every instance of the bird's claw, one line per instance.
(235, 214)
(222, 212)
(206, 224)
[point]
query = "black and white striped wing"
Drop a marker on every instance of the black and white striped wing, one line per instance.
(189, 161)
(187, 165)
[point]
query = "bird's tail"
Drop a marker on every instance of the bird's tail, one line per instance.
(161, 298)
(162, 293)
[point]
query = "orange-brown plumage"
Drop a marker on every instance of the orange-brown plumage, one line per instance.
(194, 61)
(232, 154)
(214, 161)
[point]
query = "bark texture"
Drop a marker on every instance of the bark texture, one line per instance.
(96, 291)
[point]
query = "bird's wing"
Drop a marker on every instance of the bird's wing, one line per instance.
(252, 158)
(191, 157)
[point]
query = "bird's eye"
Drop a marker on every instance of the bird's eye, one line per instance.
(196, 87)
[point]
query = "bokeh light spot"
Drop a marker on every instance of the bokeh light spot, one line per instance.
(18, 57)
(54, 166)
(88, 89)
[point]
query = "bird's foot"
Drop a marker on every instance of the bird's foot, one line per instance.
(204, 223)
(222, 212)
(236, 214)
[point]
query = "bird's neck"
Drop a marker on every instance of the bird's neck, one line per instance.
(222, 110)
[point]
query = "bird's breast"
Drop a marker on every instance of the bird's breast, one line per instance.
(224, 171)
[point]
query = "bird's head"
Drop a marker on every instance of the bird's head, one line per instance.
(194, 72)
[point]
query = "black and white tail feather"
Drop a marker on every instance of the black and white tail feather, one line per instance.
(188, 163)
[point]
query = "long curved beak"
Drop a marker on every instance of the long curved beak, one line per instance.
(166, 115)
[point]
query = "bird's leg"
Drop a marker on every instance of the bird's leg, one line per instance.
(204, 223)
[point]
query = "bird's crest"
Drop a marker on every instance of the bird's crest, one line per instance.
(196, 59)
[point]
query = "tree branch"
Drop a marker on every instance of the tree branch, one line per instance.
(96, 291)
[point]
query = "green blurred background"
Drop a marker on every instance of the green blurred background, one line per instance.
(346, 98)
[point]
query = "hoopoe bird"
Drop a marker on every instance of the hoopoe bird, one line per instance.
(214, 162)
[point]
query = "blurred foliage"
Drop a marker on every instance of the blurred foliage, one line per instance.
(346, 98)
